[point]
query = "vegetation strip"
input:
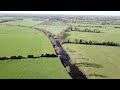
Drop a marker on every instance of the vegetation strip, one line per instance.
(90, 42)
(71, 68)
(29, 56)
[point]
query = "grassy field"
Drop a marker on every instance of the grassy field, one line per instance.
(96, 61)
(108, 34)
(25, 22)
(15, 40)
(43, 68)
(55, 28)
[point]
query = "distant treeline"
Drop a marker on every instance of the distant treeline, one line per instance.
(90, 42)
(29, 56)
(91, 26)
(88, 30)
(10, 20)
(82, 30)
(116, 27)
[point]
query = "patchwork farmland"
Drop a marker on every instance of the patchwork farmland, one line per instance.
(61, 47)
(25, 41)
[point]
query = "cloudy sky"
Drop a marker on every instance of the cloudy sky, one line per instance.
(113, 13)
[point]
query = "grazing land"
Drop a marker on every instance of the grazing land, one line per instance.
(87, 40)
(53, 27)
(24, 22)
(96, 61)
(43, 68)
(107, 35)
(25, 41)
(17, 40)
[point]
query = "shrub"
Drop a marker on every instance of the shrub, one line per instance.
(13, 57)
(2, 58)
(30, 56)
(47, 55)
(80, 41)
(76, 41)
(19, 57)
(42, 55)
(68, 40)
(90, 42)
(53, 55)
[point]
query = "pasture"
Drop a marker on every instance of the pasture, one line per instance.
(108, 34)
(43, 68)
(15, 40)
(24, 22)
(55, 27)
(96, 61)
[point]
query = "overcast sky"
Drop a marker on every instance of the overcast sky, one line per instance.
(113, 13)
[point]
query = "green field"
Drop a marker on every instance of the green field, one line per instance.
(55, 28)
(96, 61)
(25, 22)
(108, 34)
(43, 68)
(15, 40)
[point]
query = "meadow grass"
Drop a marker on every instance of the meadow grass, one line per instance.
(42, 68)
(107, 35)
(23, 41)
(15, 40)
(25, 22)
(55, 28)
(96, 61)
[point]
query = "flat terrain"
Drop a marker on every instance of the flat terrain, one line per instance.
(109, 35)
(96, 61)
(55, 27)
(25, 22)
(15, 40)
(43, 68)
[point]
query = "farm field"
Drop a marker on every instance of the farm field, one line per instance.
(43, 68)
(25, 22)
(55, 28)
(25, 41)
(76, 47)
(17, 40)
(96, 61)
(113, 34)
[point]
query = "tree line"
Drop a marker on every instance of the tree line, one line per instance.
(91, 42)
(70, 28)
(91, 26)
(87, 30)
(83, 30)
(29, 56)
(7, 20)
